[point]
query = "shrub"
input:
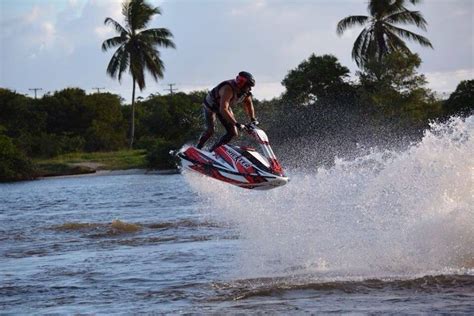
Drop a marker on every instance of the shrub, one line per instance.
(145, 142)
(14, 165)
(461, 101)
(51, 145)
(158, 155)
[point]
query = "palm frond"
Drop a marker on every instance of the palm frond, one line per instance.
(118, 28)
(372, 50)
(380, 8)
(423, 41)
(138, 14)
(137, 70)
(159, 36)
(137, 63)
(396, 43)
(116, 62)
(369, 48)
(364, 50)
(123, 63)
(113, 42)
(382, 46)
(351, 21)
(408, 17)
(358, 48)
(153, 63)
(392, 6)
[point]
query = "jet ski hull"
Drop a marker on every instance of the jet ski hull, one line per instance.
(238, 170)
(241, 166)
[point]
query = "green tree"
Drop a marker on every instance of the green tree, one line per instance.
(316, 78)
(166, 123)
(392, 78)
(106, 129)
(393, 86)
(66, 111)
(14, 165)
(137, 50)
(461, 101)
(380, 36)
(23, 120)
(174, 117)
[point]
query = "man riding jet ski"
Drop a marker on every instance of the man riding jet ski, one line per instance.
(219, 102)
(241, 166)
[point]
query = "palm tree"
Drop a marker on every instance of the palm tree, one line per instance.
(137, 48)
(380, 36)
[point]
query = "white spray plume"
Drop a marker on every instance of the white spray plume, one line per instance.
(382, 214)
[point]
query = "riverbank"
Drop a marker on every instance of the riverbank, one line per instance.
(99, 163)
(104, 173)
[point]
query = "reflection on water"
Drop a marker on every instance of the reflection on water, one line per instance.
(147, 243)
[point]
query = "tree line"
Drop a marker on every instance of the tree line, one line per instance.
(321, 108)
(72, 121)
(326, 113)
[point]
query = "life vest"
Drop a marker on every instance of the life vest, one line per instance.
(213, 99)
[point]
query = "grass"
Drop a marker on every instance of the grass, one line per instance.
(78, 163)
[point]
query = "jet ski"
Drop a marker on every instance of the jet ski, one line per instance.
(238, 165)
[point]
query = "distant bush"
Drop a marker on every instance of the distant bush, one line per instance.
(158, 156)
(101, 136)
(145, 142)
(14, 165)
(50, 145)
(461, 101)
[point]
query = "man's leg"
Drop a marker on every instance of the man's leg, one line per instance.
(210, 119)
(231, 132)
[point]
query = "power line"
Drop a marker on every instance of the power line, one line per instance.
(35, 89)
(98, 89)
(170, 89)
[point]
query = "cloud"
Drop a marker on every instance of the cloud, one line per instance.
(104, 31)
(350, 34)
(447, 81)
(108, 8)
(48, 31)
(252, 7)
(215, 40)
(268, 90)
(31, 33)
(33, 15)
(74, 3)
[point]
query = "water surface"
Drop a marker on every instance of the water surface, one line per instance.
(389, 232)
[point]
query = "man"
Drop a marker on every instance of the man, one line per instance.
(218, 103)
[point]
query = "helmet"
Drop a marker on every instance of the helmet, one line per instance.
(245, 78)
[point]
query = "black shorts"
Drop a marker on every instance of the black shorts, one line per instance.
(210, 118)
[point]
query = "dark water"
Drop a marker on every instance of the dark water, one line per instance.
(146, 243)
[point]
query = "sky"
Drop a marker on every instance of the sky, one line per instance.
(55, 44)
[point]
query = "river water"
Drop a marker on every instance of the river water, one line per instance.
(387, 232)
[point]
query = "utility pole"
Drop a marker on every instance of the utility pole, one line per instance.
(35, 89)
(170, 89)
(98, 89)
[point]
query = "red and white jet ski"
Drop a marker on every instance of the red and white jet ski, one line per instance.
(240, 166)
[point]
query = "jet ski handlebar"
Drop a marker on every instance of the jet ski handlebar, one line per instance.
(247, 127)
(250, 126)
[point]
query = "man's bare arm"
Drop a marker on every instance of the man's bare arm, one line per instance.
(248, 106)
(226, 95)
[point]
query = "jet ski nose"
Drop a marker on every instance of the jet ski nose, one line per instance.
(280, 181)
